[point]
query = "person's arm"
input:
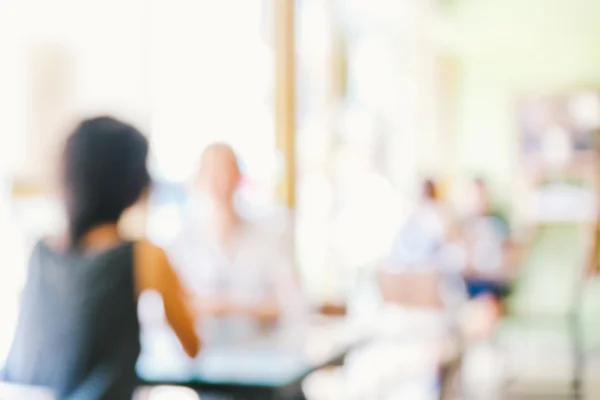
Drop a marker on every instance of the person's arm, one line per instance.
(267, 310)
(154, 272)
(592, 267)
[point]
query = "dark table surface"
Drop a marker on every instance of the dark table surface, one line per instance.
(271, 366)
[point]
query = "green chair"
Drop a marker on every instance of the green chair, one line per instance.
(548, 292)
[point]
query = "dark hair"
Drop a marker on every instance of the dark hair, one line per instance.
(429, 189)
(104, 173)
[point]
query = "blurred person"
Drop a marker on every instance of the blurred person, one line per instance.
(490, 260)
(420, 239)
(487, 240)
(429, 243)
(78, 329)
(240, 269)
(423, 292)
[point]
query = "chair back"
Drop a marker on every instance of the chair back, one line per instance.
(412, 289)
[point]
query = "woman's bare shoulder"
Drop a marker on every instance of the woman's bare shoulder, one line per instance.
(150, 262)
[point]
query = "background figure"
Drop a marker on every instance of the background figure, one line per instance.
(489, 262)
(78, 330)
(422, 235)
(487, 238)
(241, 270)
(430, 243)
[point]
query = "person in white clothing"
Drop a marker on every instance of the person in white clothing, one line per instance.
(240, 270)
(421, 237)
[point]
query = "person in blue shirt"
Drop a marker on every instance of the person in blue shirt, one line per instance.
(487, 238)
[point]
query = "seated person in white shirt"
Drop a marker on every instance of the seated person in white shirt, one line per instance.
(420, 239)
(240, 270)
(427, 242)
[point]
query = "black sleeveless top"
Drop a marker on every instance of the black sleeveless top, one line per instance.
(78, 332)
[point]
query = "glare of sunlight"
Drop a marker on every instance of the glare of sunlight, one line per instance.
(164, 222)
(199, 86)
(358, 128)
(556, 146)
(314, 39)
(375, 67)
(398, 14)
(172, 393)
(586, 110)
(367, 221)
(313, 144)
(12, 95)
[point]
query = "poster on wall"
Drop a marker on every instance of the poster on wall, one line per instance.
(557, 146)
(558, 130)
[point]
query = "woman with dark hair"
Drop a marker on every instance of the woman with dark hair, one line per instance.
(78, 331)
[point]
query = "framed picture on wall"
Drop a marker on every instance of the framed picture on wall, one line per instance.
(557, 131)
(558, 154)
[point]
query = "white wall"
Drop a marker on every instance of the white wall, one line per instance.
(64, 59)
